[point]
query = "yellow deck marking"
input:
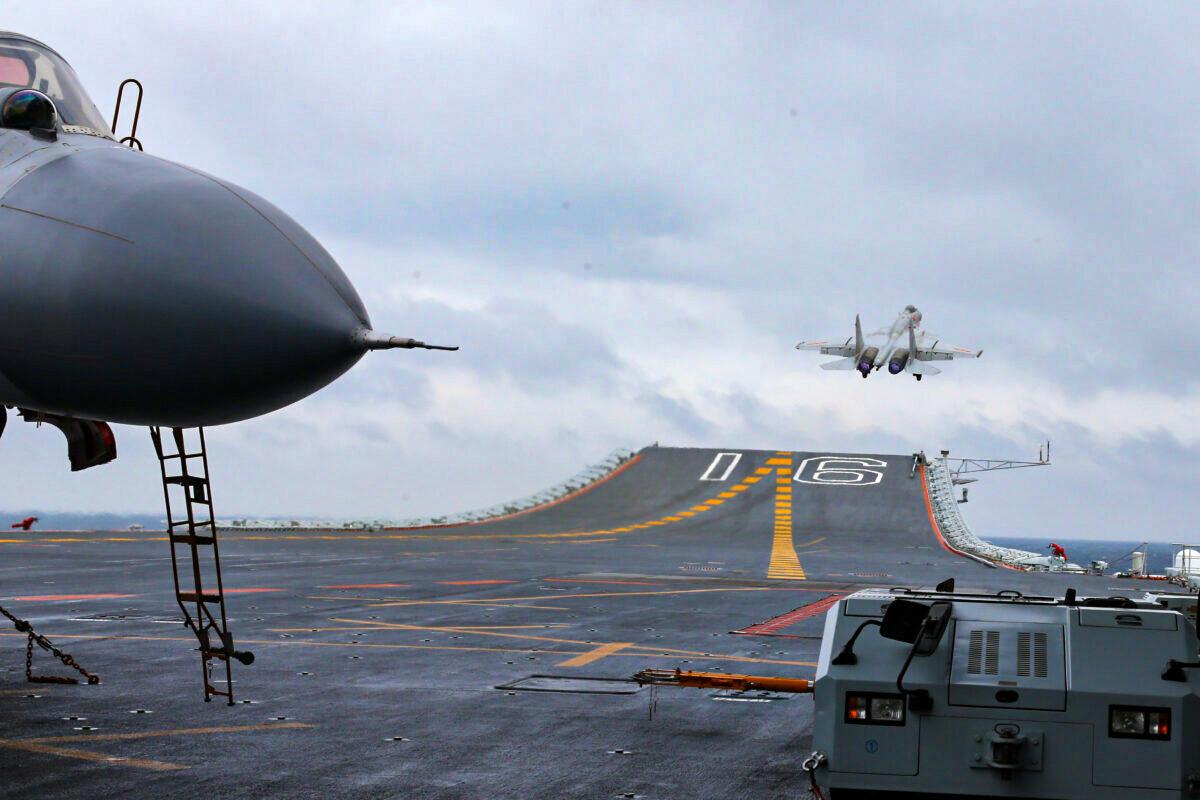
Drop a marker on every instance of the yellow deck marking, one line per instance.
(727, 494)
(633, 652)
(500, 600)
(45, 745)
(603, 651)
(89, 755)
(637, 650)
(113, 737)
(785, 564)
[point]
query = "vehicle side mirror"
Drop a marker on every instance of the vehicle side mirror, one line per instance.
(903, 620)
(933, 629)
(930, 625)
(916, 623)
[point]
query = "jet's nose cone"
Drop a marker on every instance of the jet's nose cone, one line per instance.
(221, 305)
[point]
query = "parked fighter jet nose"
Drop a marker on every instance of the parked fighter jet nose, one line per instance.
(220, 298)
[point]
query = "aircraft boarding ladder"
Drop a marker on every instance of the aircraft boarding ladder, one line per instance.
(186, 487)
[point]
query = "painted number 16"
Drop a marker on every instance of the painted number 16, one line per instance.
(840, 471)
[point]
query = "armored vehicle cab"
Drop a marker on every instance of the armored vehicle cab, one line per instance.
(957, 695)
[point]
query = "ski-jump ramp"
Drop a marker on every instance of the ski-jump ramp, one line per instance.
(785, 515)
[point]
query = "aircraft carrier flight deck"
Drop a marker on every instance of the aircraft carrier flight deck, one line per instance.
(480, 660)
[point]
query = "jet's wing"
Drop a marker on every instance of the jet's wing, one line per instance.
(945, 353)
(830, 347)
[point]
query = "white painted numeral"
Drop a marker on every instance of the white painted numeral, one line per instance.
(729, 460)
(840, 471)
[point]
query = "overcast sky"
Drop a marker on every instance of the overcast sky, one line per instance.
(627, 214)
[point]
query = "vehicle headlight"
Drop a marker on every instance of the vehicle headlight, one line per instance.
(1136, 722)
(887, 709)
(872, 708)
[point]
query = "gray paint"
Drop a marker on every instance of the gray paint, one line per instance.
(1095, 658)
(137, 290)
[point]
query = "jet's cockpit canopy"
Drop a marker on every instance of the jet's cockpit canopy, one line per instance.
(28, 64)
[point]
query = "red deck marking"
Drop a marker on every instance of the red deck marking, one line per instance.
(36, 597)
(471, 583)
(368, 586)
(583, 580)
(251, 591)
(772, 626)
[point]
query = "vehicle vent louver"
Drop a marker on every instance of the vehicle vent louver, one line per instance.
(1031, 654)
(983, 657)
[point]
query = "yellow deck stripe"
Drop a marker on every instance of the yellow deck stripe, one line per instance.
(600, 652)
(113, 737)
(89, 755)
(785, 564)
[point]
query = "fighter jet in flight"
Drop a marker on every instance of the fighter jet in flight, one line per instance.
(141, 291)
(903, 347)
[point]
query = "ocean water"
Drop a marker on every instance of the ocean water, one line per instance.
(1118, 554)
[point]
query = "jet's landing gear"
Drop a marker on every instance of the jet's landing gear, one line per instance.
(918, 377)
(185, 477)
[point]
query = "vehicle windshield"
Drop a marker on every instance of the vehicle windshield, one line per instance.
(29, 65)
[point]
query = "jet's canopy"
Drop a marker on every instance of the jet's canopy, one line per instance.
(29, 64)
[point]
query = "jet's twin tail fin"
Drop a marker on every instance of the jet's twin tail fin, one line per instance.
(859, 344)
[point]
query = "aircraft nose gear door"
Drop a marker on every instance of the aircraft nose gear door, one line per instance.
(185, 477)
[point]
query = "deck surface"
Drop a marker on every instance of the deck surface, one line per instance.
(379, 655)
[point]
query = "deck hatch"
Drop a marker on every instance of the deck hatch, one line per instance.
(572, 685)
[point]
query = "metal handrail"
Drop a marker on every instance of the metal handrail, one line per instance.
(954, 528)
(580, 480)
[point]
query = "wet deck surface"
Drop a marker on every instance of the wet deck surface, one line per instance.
(379, 655)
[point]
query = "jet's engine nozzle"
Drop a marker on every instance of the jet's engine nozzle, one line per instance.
(90, 443)
(866, 361)
(244, 656)
(898, 361)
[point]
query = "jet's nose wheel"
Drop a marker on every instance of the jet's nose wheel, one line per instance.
(918, 377)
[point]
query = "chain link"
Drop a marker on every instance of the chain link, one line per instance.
(23, 626)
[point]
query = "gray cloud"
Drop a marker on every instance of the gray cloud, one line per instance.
(626, 214)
